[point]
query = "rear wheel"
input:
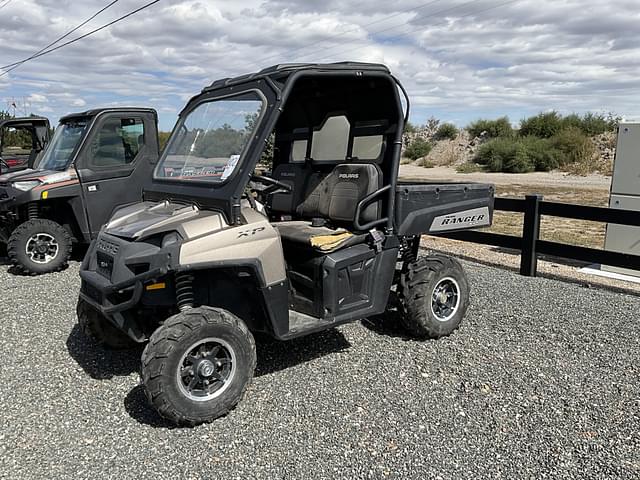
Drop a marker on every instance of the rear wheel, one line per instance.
(198, 365)
(39, 246)
(434, 295)
(95, 325)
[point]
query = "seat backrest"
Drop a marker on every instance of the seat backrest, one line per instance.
(291, 174)
(336, 197)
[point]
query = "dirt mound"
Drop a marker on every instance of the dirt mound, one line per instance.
(445, 152)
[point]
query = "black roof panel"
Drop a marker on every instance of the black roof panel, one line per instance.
(95, 111)
(279, 71)
(25, 120)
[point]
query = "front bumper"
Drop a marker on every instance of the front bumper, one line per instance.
(7, 223)
(9, 196)
(103, 295)
(113, 282)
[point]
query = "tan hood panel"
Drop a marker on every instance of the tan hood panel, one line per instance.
(148, 218)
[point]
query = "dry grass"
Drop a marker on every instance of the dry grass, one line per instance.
(594, 164)
(468, 167)
(573, 232)
(424, 162)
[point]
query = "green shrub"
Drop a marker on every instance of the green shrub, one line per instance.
(500, 127)
(546, 125)
(409, 127)
(543, 125)
(591, 123)
(446, 130)
(504, 155)
(162, 138)
(574, 146)
(573, 120)
(519, 155)
(542, 153)
(418, 148)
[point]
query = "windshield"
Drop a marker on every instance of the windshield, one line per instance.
(207, 144)
(58, 155)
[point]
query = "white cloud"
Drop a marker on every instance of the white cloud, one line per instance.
(457, 59)
(37, 98)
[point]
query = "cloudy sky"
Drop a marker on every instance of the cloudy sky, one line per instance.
(459, 60)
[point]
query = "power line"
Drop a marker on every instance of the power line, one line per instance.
(433, 25)
(147, 5)
(5, 4)
(17, 64)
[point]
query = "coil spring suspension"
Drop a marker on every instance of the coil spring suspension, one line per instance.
(410, 250)
(32, 211)
(184, 291)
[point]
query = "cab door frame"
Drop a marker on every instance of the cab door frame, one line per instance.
(104, 189)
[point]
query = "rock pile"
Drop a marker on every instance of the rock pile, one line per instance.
(606, 145)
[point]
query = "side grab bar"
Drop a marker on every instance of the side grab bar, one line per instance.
(365, 202)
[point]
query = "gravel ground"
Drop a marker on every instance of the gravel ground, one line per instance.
(541, 381)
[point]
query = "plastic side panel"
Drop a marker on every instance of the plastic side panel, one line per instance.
(434, 208)
(358, 284)
(349, 276)
(254, 243)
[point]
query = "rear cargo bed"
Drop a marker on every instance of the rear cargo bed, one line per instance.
(432, 208)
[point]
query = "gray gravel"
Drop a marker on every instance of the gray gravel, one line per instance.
(541, 381)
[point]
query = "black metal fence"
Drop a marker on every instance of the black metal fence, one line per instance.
(530, 244)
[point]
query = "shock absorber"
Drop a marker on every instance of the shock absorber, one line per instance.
(410, 250)
(184, 291)
(32, 211)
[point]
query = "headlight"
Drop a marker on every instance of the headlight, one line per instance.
(26, 186)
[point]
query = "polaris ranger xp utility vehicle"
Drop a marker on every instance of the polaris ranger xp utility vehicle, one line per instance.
(96, 161)
(22, 140)
(216, 252)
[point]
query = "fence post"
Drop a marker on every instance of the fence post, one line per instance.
(530, 236)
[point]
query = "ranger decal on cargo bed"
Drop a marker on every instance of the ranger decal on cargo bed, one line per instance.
(477, 217)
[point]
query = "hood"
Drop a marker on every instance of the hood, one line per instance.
(145, 219)
(28, 174)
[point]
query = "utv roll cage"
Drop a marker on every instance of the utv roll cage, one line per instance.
(295, 106)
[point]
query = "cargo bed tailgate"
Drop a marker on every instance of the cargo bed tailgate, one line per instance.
(432, 208)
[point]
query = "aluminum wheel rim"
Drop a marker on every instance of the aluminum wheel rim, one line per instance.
(206, 369)
(445, 299)
(42, 248)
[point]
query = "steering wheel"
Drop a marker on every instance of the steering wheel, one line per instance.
(271, 184)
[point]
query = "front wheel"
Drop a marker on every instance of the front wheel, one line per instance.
(198, 365)
(434, 295)
(39, 246)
